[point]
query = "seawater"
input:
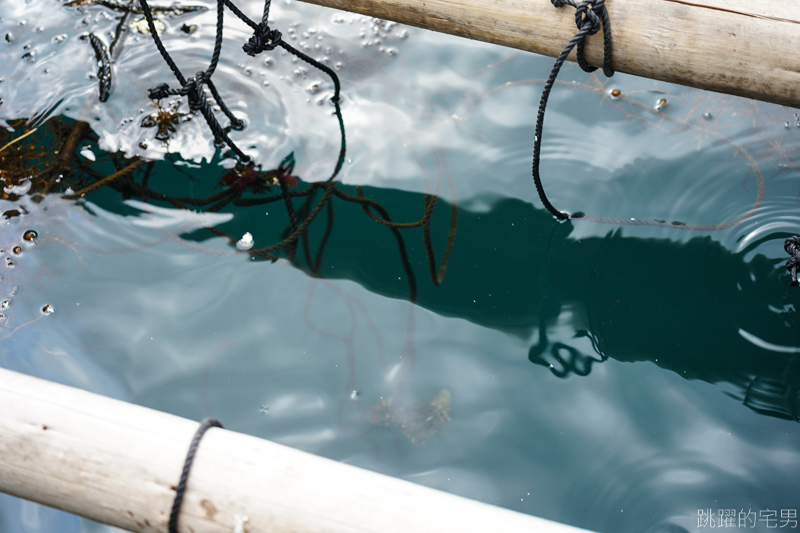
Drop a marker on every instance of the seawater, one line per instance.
(615, 377)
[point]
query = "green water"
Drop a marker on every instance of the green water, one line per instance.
(613, 377)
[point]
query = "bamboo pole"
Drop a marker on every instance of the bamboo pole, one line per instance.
(741, 47)
(117, 463)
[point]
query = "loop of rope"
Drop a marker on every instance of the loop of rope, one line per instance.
(590, 16)
(180, 490)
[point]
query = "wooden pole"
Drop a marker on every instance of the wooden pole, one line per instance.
(117, 463)
(742, 47)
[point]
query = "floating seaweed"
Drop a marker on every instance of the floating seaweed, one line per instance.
(418, 420)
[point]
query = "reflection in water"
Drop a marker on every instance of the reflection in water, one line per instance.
(359, 327)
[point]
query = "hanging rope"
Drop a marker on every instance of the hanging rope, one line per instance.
(590, 16)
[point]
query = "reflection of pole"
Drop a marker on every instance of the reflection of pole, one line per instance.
(773, 397)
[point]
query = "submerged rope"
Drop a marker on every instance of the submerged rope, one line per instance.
(103, 66)
(588, 17)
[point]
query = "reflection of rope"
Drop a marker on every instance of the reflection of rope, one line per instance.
(792, 247)
(105, 181)
(588, 17)
(550, 308)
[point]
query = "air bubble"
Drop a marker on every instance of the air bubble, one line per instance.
(354, 395)
(246, 242)
(708, 116)
(5, 303)
(661, 104)
(314, 88)
(48, 310)
(30, 236)
(17, 250)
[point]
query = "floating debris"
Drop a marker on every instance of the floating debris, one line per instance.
(246, 242)
(30, 237)
(48, 310)
(615, 94)
(142, 26)
(418, 420)
(661, 104)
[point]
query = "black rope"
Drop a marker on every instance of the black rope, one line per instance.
(792, 247)
(263, 39)
(180, 490)
(103, 66)
(590, 16)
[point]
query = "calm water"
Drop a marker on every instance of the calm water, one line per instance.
(610, 376)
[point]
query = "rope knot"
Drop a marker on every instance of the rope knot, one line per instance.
(792, 247)
(159, 92)
(193, 89)
(263, 39)
(586, 13)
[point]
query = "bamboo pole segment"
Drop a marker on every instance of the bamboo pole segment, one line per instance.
(741, 47)
(117, 463)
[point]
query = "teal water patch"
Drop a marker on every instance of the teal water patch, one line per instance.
(614, 377)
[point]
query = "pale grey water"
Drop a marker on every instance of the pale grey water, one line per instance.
(197, 329)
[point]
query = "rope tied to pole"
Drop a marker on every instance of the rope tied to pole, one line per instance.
(590, 17)
(180, 489)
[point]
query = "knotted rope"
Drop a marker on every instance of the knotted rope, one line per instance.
(263, 39)
(590, 16)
